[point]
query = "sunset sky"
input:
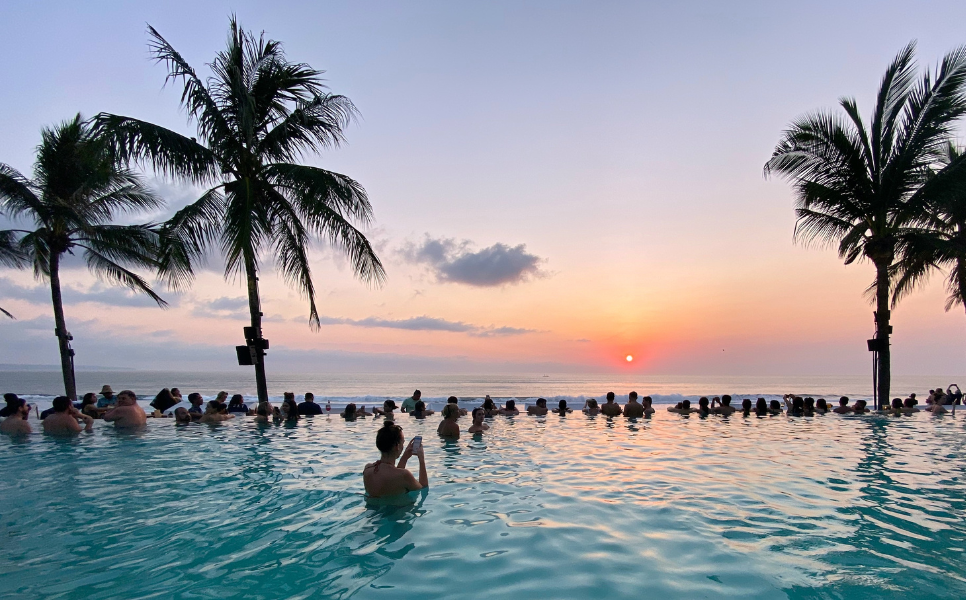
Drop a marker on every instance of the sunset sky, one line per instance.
(556, 185)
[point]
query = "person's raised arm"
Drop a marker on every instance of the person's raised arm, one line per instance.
(88, 421)
(110, 415)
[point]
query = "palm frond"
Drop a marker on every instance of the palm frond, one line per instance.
(111, 271)
(186, 237)
(7, 313)
(890, 102)
(11, 254)
(18, 196)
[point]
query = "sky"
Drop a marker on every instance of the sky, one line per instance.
(556, 185)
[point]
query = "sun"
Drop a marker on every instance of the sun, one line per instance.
(629, 358)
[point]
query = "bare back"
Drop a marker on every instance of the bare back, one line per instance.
(61, 423)
(382, 479)
(127, 417)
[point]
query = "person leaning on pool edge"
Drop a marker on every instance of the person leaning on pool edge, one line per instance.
(611, 408)
(387, 478)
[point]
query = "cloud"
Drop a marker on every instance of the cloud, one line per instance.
(425, 323)
(228, 303)
(454, 262)
(98, 293)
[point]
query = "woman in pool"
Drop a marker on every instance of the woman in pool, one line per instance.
(290, 409)
(810, 407)
(448, 427)
(489, 407)
(761, 407)
(775, 407)
(510, 408)
(387, 478)
(478, 425)
(264, 412)
(703, 409)
(821, 406)
(387, 407)
(562, 408)
(213, 413)
(647, 401)
(420, 411)
(590, 407)
(746, 407)
(89, 405)
(237, 405)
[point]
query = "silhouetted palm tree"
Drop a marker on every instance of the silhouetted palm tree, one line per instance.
(77, 190)
(942, 244)
(257, 114)
(866, 188)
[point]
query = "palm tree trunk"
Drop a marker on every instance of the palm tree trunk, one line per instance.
(66, 354)
(883, 330)
(255, 308)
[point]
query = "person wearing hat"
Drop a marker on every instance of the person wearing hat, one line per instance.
(16, 421)
(309, 408)
(387, 407)
(107, 398)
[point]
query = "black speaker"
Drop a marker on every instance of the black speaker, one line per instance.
(244, 356)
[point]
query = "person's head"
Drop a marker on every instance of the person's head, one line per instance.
(417, 395)
(610, 396)
(236, 400)
(686, 404)
(89, 398)
(542, 402)
(264, 409)
(478, 414)
(909, 402)
(176, 392)
(632, 396)
(646, 401)
(11, 399)
(680, 405)
(390, 439)
(746, 404)
(775, 405)
(844, 401)
(127, 398)
(181, 415)
(913, 395)
(195, 399)
(488, 403)
(592, 403)
(562, 406)
(511, 405)
(420, 407)
(288, 397)
(703, 402)
(452, 400)
(389, 405)
(61, 404)
(860, 404)
(726, 400)
(451, 411)
(761, 405)
(896, 403)
(798, 403)
(221, 397)
(809, 403)
(821, 404)
(350, 409)
(309, 397)
(213, 408)
(107, 392)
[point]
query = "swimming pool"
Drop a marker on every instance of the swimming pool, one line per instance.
(554, 507)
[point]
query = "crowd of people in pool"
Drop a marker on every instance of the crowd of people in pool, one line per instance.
(65, 417)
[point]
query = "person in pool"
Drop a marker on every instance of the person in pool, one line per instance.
(455, 402)
(16, 422)
(409, 404)
(448, 427)
(490, 408)
(308, 407)
(821, 406)
(264, 412)
(860, 407)
(611, 408)
(237, 405)
(349, 412)
(746, 407)
(909, 406)
(510, 408)
(290, 408)
(420, 411)
(478, 425)
(127, 414)
(64, 420)
(683, 408)
(183, 417)
(386, 477)
(163, 401)
(107, 399)
(539, 410)
(775, 407)
(633, 409)
(703, 406)
(89, 405)
(843, 408)
(810, 407)
(562, 408)
(724, 407)
(647, 402)
(387, 407)
(214, 414)
(590, 407)
(761, 407)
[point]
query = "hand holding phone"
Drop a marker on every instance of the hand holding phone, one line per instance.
(417, 444)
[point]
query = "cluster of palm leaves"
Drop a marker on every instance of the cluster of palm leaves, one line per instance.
(893, 192)
(256, 116)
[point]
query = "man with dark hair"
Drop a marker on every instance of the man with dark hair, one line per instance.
(843, 408)
(309, 408)
(16, 421)
(684, 408)
(128, 415)
(724, 406)
(409, 404)
(633, 409)
(64, 419)
(197, 405)
(611, 408)
(539, 410)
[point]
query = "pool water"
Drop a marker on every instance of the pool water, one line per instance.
(554, 507)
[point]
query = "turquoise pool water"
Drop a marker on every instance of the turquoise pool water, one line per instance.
(573, 507)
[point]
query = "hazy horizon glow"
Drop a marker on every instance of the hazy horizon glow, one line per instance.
(556, 186)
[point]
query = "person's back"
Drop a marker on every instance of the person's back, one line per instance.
(725, 407)
(683, 407)
(16, 422)
(309, 408)
(633, 409)
(127, 414)
(387, 478)
(590, 407)
(611, 408)
(510, 408)
(213, 413)
(539, 410)
(843, 407)
(237, 405)
(448, 427)
(63, 421)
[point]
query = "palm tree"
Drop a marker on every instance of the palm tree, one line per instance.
(77, 190)
(942, 244)
(256, 115)
(868, 188)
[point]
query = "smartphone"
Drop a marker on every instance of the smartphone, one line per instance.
(417, 443)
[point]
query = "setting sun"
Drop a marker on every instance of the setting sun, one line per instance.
(629, 358)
